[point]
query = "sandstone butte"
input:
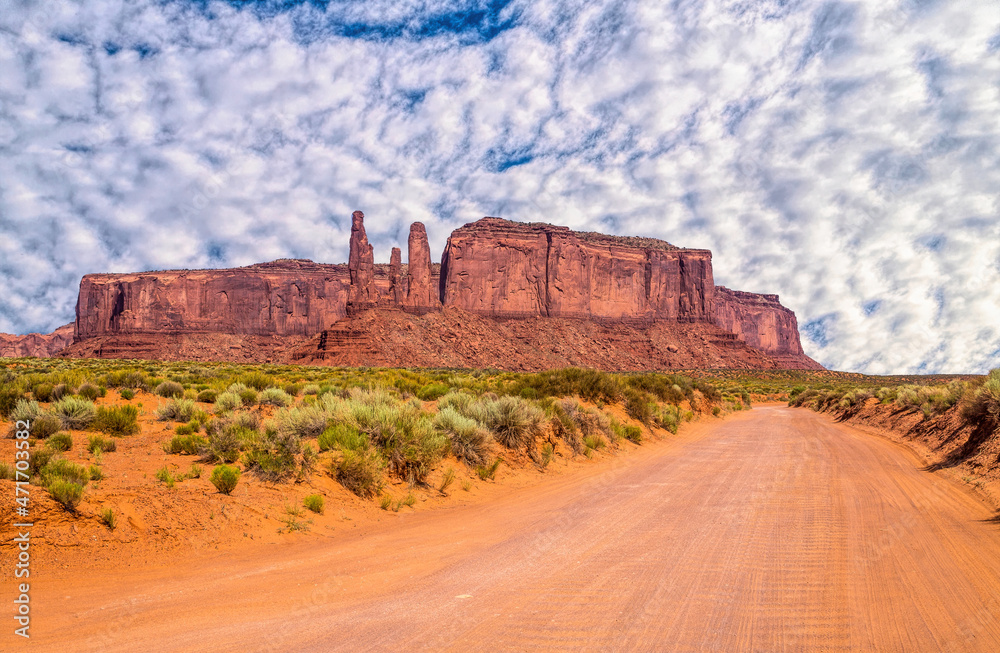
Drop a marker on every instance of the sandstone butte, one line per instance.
(507, 295)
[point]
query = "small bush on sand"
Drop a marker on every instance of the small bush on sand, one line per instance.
(117, 420)
(632, 434)
(43, 392)
(469, 441)
(126, 394)
(67, 493)
(274, 397)
(432, 391)
(176, 410)
(488, 471)
(74, 412)
(9, 398)
(90, 391)
(639, 405)
(360, 472)
(207, 396)
(225, 478)
(25, 410)
(304, 421)
(344, 437)
(61, 441)
(226, 439)
(169, 389)
(272, 454)
(227, 401)
(44, 426)
(109, 519)
(186, 444)
(61, 469)
(314, 502)
(97, 443)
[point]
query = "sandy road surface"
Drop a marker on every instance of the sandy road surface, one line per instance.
(776, 530)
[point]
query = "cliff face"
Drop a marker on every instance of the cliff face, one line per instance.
(289, 297)
(492, 269)
(759, 320)
(507, 269)
(36, 344)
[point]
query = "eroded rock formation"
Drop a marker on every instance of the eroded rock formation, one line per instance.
(612, 296)
(36, 344)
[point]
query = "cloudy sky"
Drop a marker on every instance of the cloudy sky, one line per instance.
(845, 155)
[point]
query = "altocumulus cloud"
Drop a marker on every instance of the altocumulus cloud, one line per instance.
(842, 154)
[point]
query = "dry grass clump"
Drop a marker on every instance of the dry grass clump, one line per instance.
(74, 412)
(470, 442)
(117, 420)
(360, 472)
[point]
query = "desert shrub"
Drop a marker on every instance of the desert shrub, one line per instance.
(432, 391)
(45, 425)
(164, 476)
(24, 410)
(39, 458)
(716, 411)
(513, 422)
(404, 435)
(61, 390)
(97, 443)
(74, 412)
(6, 472)
(564, 428)
(669, 417)
(459, 401)
(248, 396)
(89, 391)
(227, 401)
(42, 392)
(96, 473)
(486, 472)
(9, 398)
(272, 454)
(274, 397)
(470, 442)
(303, 421)
(632, 434)
(117, 420)
(546, 456)
(186, 444)
(176, 410)
(257, 380)
(591, 385)
(311, 389)
(292, 389)
(225, 478)
(126, 394)
(314, 502)
(61, 469)
(226, 439)
(639, 406)
(594, 442)
(447, 478)
(207, 396)
(61, 441)
(169, 389)
(345, 437)
(67, 493)
(109, 519)
(361, 472)
(184, 429)
(980, 403)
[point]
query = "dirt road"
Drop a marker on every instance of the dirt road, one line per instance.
(776, 530)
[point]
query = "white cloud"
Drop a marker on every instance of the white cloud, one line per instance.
(841, 154)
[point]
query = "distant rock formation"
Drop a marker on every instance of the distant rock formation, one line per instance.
(492, 271)
(36, 344)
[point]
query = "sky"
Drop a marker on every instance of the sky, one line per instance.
(844, 155)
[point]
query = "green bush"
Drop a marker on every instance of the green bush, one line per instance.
(361, 472)
(292, 389)
(303, 421)
(314, 502)
(639, 406)
(187, 444)
(274, 397)
(96, 473)
(227, 401)
(117, 420)
(43, 392)
(61, 469)
(67, 493)
(632, 434)
(61, 390)
(272, 455)
(177, 410)
(97, 443)
(432, 391)
(469, 441)
(89, 391)
(74, 412)
(169, 389)
(207, 396)
(225, 478)
(24, 410)
(109, 519)
(226, 439)
(311, 389)
(44, 426)
(257, 380)
(345, 437)
(6, 472)
(39, 458)
(126, 394)
(594, 442)
(980, 403)
(9, 398)
(486, 472)
(60, 442)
